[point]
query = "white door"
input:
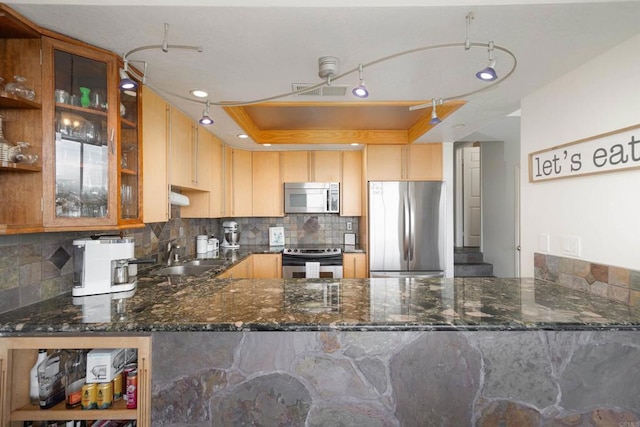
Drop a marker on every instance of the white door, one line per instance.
(472, 200)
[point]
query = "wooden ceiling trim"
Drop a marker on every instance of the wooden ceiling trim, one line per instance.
(422, 126)
(241, 115)
(242, 118)
(333, 137)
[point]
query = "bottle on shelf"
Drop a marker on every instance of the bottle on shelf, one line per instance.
(75, 375)
(34, 391)
(51, 379)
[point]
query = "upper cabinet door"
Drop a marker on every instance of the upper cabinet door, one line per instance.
(295, 166)
(130, 164)
(182, 149)
(327, 166)
(80, 131)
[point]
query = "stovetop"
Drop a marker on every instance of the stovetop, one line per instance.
(320, 250)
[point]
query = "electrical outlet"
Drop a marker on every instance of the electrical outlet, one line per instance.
(349, 226)
(543, 242)
(571, 245)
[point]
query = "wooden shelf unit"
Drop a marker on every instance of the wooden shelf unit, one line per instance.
(18, 354)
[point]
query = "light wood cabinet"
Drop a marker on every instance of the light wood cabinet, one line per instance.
(242, 270)
(267, 188)
(351, 184)
(182, 144)
(238, 182)
(267, 266)
(216, 176)
(419, 162)
(311, 166)
(155, 125)
(18, 354)
(354, 265)
(327, 166)
(295, 166)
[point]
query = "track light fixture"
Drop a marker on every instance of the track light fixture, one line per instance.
(329, 72)
(434, 115)
(205, 119)
(126, 83)
(361, 90)
(489, 74)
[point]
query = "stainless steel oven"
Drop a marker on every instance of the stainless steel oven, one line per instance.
(311, 262)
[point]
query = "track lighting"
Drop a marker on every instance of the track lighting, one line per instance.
(434, 115)
(489, 74)
(126, 83)
(205, 119)
(361, 90)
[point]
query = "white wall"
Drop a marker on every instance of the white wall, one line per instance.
(602, 210)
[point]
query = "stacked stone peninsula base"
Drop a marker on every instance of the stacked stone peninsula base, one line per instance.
(437, 378)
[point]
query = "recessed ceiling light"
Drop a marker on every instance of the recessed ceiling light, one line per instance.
(355, 144)
(198, 93)
(243, 136)
(267, 145)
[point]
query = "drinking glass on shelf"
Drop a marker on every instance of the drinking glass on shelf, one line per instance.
(126, 199)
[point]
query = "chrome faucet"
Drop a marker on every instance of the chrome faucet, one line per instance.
(172, 255)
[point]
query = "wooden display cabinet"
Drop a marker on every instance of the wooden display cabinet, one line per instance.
(21, 184)
(18, 354)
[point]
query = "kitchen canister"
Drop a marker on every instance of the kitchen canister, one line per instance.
(201, 243)
(213, 244)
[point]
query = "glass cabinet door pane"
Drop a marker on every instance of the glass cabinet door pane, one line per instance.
(81, 146)
(129, 155)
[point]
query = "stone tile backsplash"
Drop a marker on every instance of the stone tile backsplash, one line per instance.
(39, 266)
(614, 283)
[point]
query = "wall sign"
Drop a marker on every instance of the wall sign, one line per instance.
(608, 152)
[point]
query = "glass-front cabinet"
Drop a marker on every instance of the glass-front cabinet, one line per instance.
(90, 139)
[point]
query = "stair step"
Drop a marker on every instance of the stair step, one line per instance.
(467, 257)
(480, 269)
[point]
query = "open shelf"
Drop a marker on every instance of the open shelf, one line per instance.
(118, 411)
(19, 167)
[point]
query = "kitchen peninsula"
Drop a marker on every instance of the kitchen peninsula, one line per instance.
(368, 351)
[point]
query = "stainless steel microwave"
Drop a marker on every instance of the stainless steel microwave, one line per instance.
(312, 197)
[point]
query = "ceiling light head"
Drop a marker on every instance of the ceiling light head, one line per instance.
(488, 74)
(198, 93)
(243, 136)
(205, 120)
(126, 83)
(361, 90)
(434, 114)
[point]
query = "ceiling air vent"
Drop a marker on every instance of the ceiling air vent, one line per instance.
(333, 90)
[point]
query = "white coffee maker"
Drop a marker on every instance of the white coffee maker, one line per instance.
(101, 265)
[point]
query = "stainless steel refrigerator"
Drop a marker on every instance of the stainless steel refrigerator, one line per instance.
(406, 228)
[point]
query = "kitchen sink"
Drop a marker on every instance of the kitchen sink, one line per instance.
(206, 262)
(183, 270)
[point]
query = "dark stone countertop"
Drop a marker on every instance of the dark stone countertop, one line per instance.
(204, 303)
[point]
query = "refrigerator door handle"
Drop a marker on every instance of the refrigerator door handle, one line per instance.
(405, 226)
(412, 223)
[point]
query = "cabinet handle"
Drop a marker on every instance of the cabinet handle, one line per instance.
(111, 139)
(2, 389)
